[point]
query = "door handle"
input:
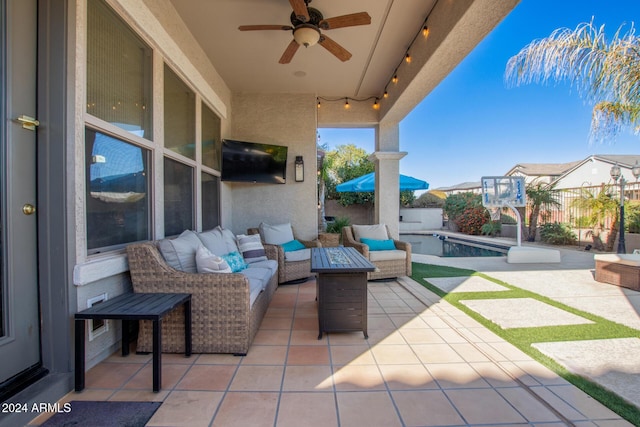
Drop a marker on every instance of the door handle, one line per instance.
(28, 209)
(28, 122)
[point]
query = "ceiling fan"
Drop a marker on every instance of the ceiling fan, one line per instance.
(306, 23)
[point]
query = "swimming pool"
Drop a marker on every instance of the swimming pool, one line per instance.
(443, 246)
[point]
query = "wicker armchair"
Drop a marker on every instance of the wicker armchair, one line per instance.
(223, 321)
(290, 271)
(389, 264)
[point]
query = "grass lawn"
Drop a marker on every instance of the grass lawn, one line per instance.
(522, 338)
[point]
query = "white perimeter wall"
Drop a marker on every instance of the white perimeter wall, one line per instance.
(420, 219)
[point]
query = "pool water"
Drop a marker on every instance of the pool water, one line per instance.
(443, 246)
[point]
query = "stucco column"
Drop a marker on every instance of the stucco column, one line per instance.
(387, 163)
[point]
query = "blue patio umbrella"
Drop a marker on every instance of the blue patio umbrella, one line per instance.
(367, 183)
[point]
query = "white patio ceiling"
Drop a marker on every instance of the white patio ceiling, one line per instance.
(248, 60)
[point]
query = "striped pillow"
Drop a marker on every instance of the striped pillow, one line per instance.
(251, 248)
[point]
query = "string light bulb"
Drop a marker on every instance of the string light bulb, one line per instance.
(386, 94)
(347, 101)
(407, 58)
(395, 78)
(425, 31)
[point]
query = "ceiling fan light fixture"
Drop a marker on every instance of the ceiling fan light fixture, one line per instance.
(306, 35)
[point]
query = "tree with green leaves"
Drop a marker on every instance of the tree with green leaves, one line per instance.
(605, 72)
(539, 195)
(602, 205)
(347, 162)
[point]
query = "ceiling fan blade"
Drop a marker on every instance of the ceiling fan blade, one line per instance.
(289, 52)
(300, 10)
(264, 27)
(351, 20)
(341, 53)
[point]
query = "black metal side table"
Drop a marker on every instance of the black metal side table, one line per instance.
(133, 307)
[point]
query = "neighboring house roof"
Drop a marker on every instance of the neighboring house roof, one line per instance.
(625, 161)
(628, 160)
(462, 186)
(555, 171)
(541, 169)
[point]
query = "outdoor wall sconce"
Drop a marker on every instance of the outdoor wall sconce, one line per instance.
(299, 169)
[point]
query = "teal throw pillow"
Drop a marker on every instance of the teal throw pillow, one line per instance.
(235, 261)
(379, 245)
(293, 245)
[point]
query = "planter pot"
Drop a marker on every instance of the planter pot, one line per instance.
(329, 239)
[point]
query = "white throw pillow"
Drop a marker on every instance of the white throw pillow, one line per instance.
(276, 234)
(375, 232)
(207, 262)
(251, 248)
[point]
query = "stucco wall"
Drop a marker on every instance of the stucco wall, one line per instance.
(172, 42)
(420, 219)
(357, 214)
(590, 173)
(281, 119)
(105, 343)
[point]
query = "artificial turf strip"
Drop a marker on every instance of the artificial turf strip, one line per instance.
(522, 338)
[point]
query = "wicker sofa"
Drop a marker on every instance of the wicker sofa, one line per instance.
(224, 319)
(618, 269)
(389, 263)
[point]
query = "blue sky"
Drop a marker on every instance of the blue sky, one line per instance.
(473, 125)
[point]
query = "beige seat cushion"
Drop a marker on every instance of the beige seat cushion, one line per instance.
(392, 255)
(375, 232)
(276, 234)
(625, 259)
(299, 255)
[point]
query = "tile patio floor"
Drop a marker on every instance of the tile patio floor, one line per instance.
(425, 364)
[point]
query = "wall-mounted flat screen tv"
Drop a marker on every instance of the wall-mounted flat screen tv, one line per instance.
(253, 162)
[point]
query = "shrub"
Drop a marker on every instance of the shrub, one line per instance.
(472, 219)
(428, 200)
(456, 204)
(507, 219)
(492, 228)
(583, 222)
(557, 234)
(337, 224)
(633, 215)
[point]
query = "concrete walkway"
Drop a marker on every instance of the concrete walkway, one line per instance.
(613, 363)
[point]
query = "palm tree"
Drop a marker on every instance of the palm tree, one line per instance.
(602, 205)
(539, 195)
(606, 73)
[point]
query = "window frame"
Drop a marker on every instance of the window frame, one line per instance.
(117, 133)
(194, 193)
(155, 144)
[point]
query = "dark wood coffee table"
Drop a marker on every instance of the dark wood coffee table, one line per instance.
(341, 289)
